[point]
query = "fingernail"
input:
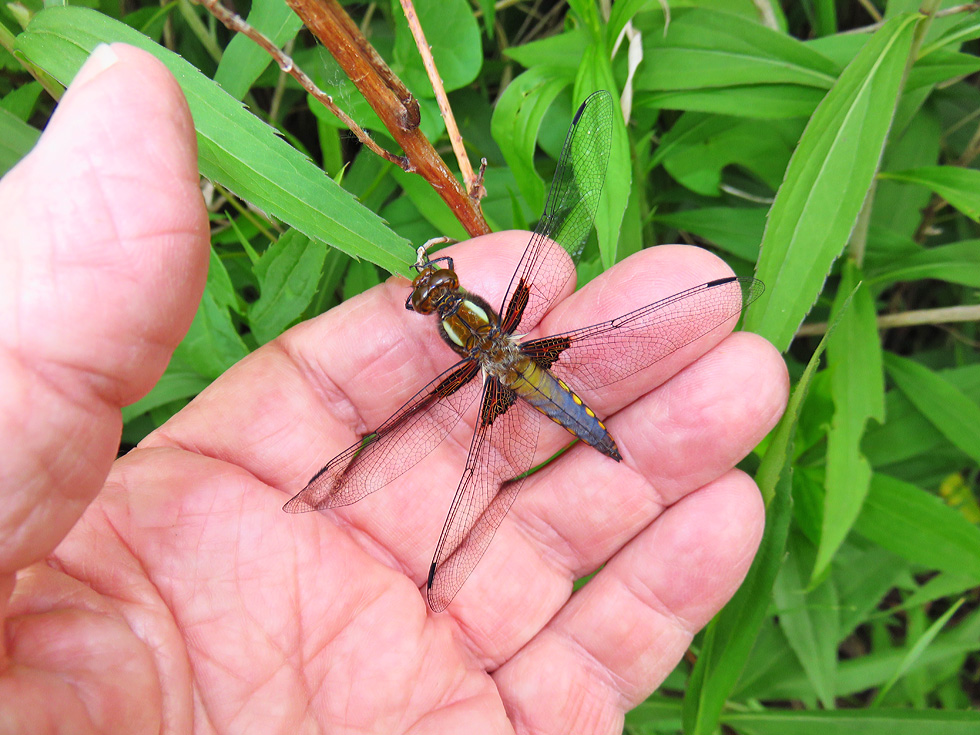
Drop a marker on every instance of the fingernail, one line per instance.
(101, 59)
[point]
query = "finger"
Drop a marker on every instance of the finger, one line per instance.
(580, 510)
(622, 634)
(107, 231)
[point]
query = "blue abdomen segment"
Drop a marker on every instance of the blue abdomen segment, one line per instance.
(552, 397)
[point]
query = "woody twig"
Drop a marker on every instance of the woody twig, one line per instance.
(235, 23)
(473, 183)
(388, 97)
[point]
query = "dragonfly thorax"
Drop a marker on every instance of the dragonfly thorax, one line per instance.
(434, 289)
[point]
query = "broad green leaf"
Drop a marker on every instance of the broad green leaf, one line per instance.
(516, 120)
(966, 30)
(759, 101)
(809, 617)
(863, 574)
(288, 274)
(360, 277)
(919, 527)
(243, 60)
(453, 37)
(944, 584)
(939, 67)
(595, 74)
(908, 433)
(178, 382)
(16, 140)
(588, 12)
(897, 205)
(560, 53)
(704, 48)
(21, 101)
(621, 14)
(736, 230)
(958, 186)
(235, 148)
(855, 722)
(949, 409)
(858, 391)
(958, 262)
(698, 147)
(212, 344)
(489, 10)
(827, 181)
(430, 205)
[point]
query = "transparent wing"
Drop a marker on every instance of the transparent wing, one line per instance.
(605, 353)
(568, 214)
(502, 450)
(396, 446)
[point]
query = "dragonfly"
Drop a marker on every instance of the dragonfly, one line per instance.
(519, 383)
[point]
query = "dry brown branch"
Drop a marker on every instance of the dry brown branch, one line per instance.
(389, 98)
(235, 23)
(469, 177)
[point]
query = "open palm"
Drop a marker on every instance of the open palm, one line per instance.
(169, 592)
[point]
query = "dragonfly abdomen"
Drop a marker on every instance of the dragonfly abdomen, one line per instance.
(552, 397)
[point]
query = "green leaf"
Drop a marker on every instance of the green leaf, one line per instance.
(947, 408)
(360, 277)
(858, 391)
(430, 205)
(939, 67)
(897, 205)
(16, 140)
(966, 30)
(178, 382)
(958, 186)
(855, 722)
(827, 181)
(243, 60)
(908, 433)
(561, 53)
(595, 74)
(212, 344)
(809, 617)
(760, 101)
(489, 10)
(915, 653)
(288, 274)
(958, 262)
(235, 148)
(857, 675)
(919, 527)
(453, 36)
(736, 230)
(706, 48)
(22, 101)
(515, 124)
(698, 147)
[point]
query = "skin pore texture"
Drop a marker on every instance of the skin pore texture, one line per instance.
(167, 592)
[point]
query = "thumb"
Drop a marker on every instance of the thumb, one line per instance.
(103, 240)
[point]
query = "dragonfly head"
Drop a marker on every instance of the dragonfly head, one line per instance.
(431, 286)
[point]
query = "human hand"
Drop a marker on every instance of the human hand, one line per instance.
(184, 599)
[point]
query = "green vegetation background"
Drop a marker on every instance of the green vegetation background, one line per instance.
(831, 152)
